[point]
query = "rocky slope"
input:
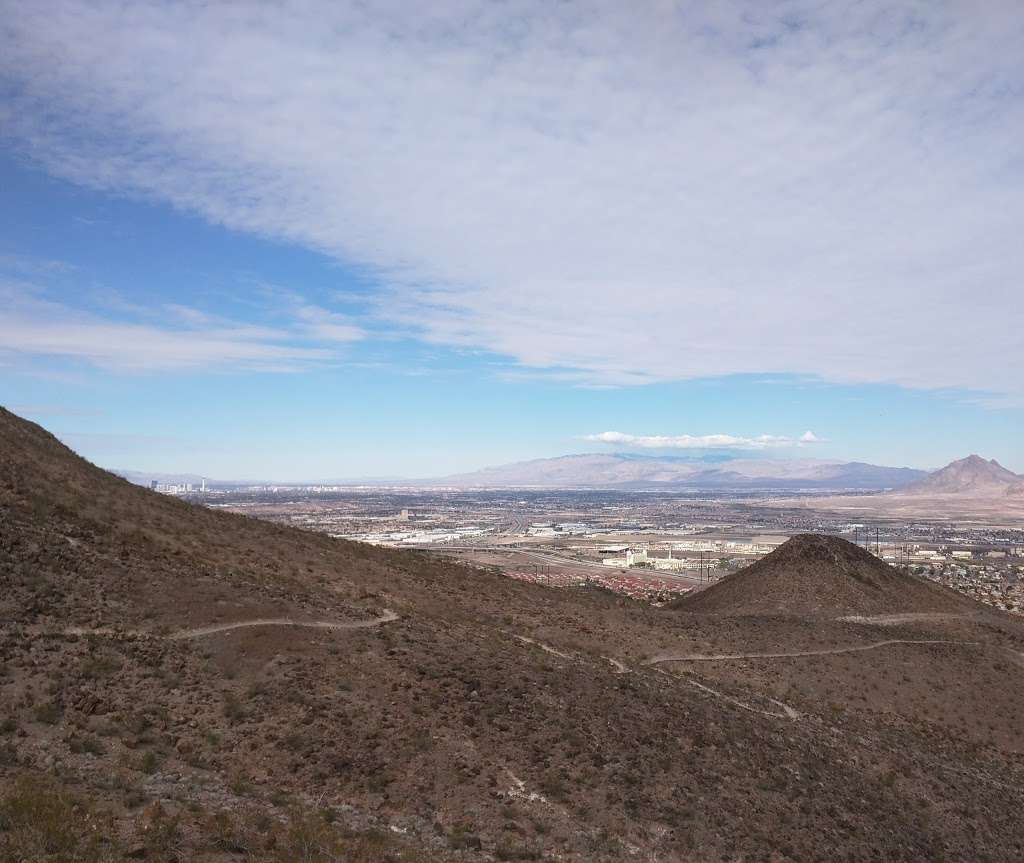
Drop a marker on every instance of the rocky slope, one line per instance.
(184, 684)
(812, 575)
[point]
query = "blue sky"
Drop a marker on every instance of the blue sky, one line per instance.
(413, 247)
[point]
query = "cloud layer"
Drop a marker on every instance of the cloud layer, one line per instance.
(31, 323)
(709, 441)
(616, 194)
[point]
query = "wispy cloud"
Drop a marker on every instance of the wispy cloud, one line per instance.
(32, 324)
(328, 326)
(28, 266)
(620, 195)
(708, 441)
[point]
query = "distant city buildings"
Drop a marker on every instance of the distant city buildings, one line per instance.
(650, 547)
(177, 487)
(172, 488)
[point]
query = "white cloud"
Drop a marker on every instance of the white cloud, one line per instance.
(709, 441)
(31, 324)
(618, 194)
(328, 326)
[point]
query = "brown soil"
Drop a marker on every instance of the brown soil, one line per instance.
(812, 575)
(492, 720)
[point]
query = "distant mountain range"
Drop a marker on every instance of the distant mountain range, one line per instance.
(972, 477)
(626, 471)
(969, 488)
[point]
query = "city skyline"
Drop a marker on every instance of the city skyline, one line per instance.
(252, 245)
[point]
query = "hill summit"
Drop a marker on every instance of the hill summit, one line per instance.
(812, 574)
(972, 476)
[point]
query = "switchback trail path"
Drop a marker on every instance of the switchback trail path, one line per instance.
(826, 651)
(200, 631)
(386, 617)
(909, 617)
(787, 712)
(547, 648)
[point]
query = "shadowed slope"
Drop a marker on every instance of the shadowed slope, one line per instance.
(823, 575)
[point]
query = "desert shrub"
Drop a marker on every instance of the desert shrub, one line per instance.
(295, 742)
(100, 666)
(554, 787)
(240, 786)
(48, 713)
(8, 755)
(463, 838)
(308, 838)
(139, 723)
(224, 834)
(161, 834)
(85, 743)
(516, 852)
(150, 762)
(233, 708)
(41, 821)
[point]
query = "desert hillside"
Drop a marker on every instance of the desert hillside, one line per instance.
(184, 684)
(812, 575)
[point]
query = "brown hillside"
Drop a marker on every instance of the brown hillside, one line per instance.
(481, 719)
(813, 575)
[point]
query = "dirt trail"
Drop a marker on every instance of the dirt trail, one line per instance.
(827, 651)
(213, 628)
(910, 617)
(199, 631)
(547, 648)
(787, 711)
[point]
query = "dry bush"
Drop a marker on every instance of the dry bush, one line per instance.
(40, 821)
(308, 838)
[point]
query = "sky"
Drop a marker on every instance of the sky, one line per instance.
(312, 240)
